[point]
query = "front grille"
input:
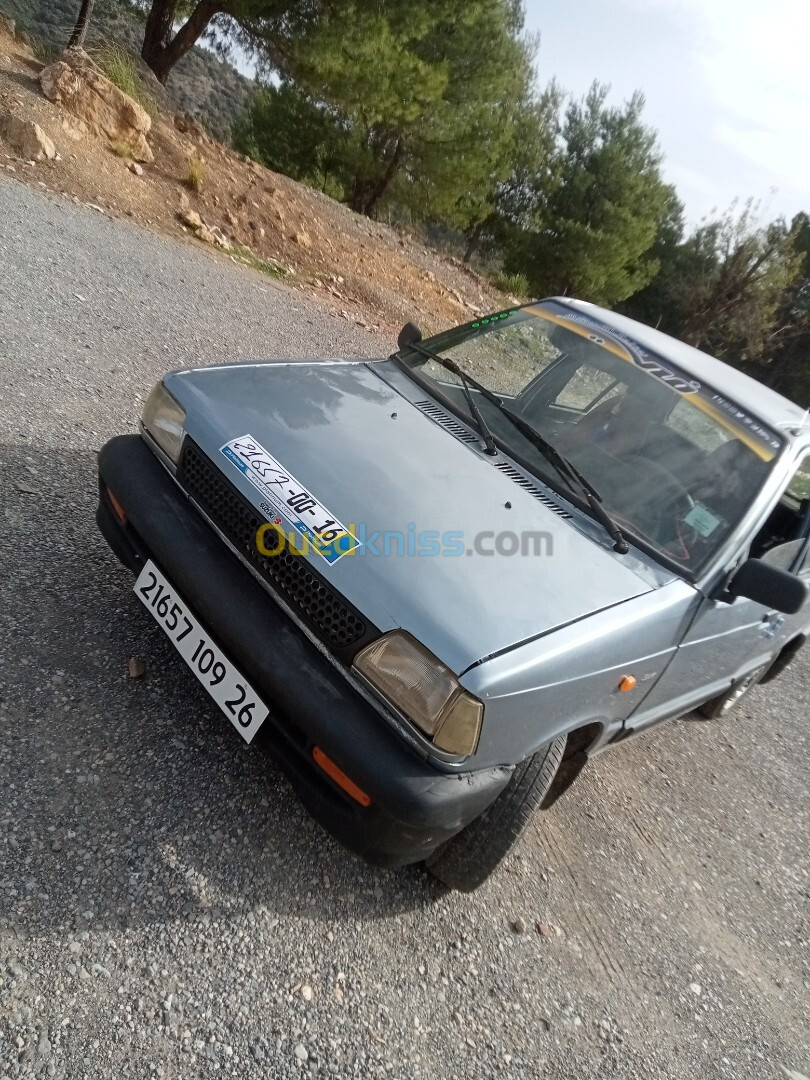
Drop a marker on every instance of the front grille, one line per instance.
(325, 610)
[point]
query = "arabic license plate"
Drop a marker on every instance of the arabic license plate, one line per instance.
(224, 682)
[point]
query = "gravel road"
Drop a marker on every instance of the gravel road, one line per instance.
(166, 907)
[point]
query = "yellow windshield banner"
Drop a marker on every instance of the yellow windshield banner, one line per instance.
(764, 443)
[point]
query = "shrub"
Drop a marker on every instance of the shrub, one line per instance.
(195, 173)
(121, 68)
(514, 284)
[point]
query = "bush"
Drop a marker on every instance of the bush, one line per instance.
(195, 173)
(121, 68)
(514, 284)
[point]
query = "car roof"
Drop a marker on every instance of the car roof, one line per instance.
(774, 409)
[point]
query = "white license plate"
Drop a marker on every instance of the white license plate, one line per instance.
(226, 685)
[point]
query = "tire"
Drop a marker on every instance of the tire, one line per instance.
(721, 706)
(466, 860)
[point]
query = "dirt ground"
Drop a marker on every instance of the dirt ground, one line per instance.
(376, 276)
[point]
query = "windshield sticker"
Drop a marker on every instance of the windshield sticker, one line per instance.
(321, 531)
(702, 520)
(765, 443)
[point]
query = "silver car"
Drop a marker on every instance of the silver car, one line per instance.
(434, 585)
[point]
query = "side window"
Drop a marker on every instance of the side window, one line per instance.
(585, 386)
(798, 492)
(782, 537)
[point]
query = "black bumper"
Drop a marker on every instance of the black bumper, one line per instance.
(414, 807)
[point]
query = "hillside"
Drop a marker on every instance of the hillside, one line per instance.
(201, 84)
(368, 273)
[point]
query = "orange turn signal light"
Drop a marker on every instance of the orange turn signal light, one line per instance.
(629, 682)
(117, 507)
(340, 777)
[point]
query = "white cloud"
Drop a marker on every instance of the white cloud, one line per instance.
(752, 60)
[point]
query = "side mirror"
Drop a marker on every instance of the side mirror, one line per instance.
(409, 335)
(769, 586)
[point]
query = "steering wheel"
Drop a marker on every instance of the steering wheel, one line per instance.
(668, 506)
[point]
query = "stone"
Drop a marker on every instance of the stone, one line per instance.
(74, 128)
(191, 219)
(302, 239)
(135, 168)
(27, 138)
(306, 992)
(219, 238)
(136, 669)
(75, 83)
(301, 1052)
(205, 234)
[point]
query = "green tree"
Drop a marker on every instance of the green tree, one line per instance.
(293, 134)
(786, 365)
(421, 93)
(726, 287)
(594, 213)
(503, 208)
(174, 26)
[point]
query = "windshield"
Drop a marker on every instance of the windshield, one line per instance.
(675, 463)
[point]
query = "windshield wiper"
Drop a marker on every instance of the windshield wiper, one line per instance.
(570, 472)
(466, 381)
(566, 469)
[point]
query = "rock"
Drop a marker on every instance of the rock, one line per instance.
(74, 128)
(544, 929)
(56, 845)
(205, 234)
(518, 925)
(187, 125)
(27, 138)
(220, 239)
(231, 219)
(301, 1052)
(7, 25)
(136, 668)
(190, 218)
(76, 84)
(302, 239)
(135, 168)
(306, 992)
(696, 989)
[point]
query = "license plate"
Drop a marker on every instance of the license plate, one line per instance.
(321, 533)
(225, 683)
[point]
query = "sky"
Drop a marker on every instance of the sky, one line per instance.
(726, 82)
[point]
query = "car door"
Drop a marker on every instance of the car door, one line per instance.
(726, 641)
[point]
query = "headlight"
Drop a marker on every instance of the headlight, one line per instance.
(423, 688)
(164, 419)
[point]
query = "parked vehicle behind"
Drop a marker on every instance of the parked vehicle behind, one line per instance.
(436, 584)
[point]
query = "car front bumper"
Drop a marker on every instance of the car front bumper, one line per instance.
(414, 807)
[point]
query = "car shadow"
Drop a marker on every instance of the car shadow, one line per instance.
(130, 801)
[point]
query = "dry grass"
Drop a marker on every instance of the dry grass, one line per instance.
(121, 149)
(195, 173)
(121, 68)
(514, 284)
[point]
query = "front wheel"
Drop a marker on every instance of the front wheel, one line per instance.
(467, 859)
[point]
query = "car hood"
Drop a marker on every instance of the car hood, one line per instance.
(381, 464)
